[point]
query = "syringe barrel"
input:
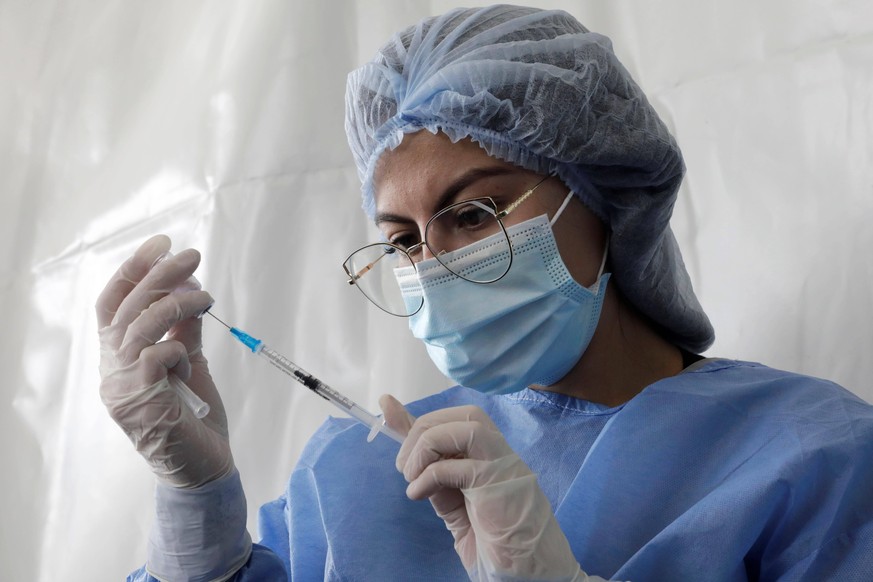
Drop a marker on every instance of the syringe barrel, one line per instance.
(304, 377)
(374, 422)
(364, 416)
(345, 404)
(287, 366)
(335, 397)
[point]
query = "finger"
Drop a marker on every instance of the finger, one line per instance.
(165, 358)
(189, 332)
(202, 384)
(127, 276)
(396, 415)
(435, 418)
(469, 439)
(160, 281)
(446, 474)
(450, 505)
(157, 320)
(154, 364)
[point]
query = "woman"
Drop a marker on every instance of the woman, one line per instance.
(523, 185)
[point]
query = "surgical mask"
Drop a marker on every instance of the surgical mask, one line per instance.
(530, 327)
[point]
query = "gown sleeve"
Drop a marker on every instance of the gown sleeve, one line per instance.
(200, 535)
(293, 542)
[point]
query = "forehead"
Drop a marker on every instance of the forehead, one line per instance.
(412, 176)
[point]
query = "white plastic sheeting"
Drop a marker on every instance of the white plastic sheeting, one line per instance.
(221, 124)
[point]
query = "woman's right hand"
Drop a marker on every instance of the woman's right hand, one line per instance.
(143, 302)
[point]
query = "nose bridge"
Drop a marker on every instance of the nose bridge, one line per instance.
(422, 233)
(419, 252)
(425, 252)
(425, 231)
(437, 237)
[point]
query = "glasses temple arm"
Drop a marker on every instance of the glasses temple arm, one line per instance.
(521, 199)
(363, 270)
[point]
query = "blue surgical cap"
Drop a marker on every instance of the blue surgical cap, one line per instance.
(536, 89)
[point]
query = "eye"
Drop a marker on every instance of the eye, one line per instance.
(404, 240)
(472, 216)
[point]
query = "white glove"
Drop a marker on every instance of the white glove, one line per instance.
(503, 525)
(145, 300)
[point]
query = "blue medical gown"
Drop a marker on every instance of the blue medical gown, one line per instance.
(728, 471)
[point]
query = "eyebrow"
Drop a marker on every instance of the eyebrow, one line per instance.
(460, 184)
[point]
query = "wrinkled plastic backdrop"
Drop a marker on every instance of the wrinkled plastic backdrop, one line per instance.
(221, 124)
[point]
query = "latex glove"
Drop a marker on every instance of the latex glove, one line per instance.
(503, 525)
(146, 300)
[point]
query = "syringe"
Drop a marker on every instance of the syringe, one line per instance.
(375, 424)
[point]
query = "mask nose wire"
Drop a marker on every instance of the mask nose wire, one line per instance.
(561, 209)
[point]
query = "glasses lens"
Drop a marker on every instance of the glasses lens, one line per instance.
(452, 231)
(372, 269)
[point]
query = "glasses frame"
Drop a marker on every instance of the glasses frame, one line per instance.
(353, 277)
(490, 207)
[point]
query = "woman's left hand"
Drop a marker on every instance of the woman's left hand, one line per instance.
(502, 522)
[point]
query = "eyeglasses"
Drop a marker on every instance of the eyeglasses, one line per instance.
(371, 268)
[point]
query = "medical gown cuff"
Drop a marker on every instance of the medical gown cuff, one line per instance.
(199, 534)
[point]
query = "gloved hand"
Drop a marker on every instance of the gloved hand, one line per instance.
(145, 300)
(503, 525)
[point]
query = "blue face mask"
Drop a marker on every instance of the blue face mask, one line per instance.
(530, 327)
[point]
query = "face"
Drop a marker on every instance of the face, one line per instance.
(428, 172)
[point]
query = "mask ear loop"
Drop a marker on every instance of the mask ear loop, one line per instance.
(603, 262)
(561, 208)
(606, 246)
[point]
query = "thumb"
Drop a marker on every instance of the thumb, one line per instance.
(395, 414)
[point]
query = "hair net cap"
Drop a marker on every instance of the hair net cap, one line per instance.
(538, 90)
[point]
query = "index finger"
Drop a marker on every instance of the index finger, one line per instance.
(127, 276)
(437, 417)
